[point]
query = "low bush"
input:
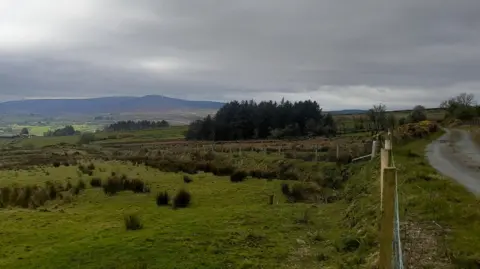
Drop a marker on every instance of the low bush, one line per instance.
(135, 185)
(81, 184)
(182, 199)
(68, 186)
(162, 198)
(51, 190)
(285, 189)
(238, 176)
(96, 182)
(132, 222)
(91, 166)
(112, 186)
(187, 179)
(75, 190)
(56, 164)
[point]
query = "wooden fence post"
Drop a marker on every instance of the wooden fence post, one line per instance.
(374, 149)
(387, 218)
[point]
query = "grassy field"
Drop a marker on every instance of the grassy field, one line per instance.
(40, 130)
(171, 133)
(231, 224)
(228, 225)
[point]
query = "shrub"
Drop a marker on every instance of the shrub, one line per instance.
(39, 197)
(182, 199)
(56, 164)
(238, 176)
(96, 182)
(112, 186)
(51, 190)
(187, 179)
(81, 184)
(135, 185)
(132, 222)
(75, 190)
(162, 198)
(5, 196)
(285, 189)
(91, 166)
(297, 192)
(224, 170)
(86, 138)
(66, 164)
(68, 186)
(24, 196)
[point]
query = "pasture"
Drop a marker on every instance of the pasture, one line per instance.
(252, 204)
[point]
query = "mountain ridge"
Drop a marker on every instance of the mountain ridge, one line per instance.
(116, 104)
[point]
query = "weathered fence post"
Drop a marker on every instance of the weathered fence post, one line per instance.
(388, 178)
(338, 152)
(374, 149)
(387, 218)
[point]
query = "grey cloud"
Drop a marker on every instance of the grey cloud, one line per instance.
(419, 51)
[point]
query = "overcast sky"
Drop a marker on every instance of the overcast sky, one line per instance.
(341, 53)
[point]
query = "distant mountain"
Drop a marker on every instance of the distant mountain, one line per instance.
(150, 103)
(348, 112)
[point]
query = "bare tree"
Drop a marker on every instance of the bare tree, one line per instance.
(465, 99)
(378, 117)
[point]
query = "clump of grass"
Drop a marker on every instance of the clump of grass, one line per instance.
(135, 185)
(112, 186)
(91, 167)
(39, 197)
(162, 198)
(51, 190)
(238, 176)
(81, 184)
(5, 196)
(96, 182)
(68, 186)
(182, 199)
(75, 190)
(132, 223)
(285, 189)
(187, 179)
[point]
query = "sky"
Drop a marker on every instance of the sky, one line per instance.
(342, 54)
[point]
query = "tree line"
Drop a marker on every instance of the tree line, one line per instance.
(65, 131)
(250, 120)
(136, 125)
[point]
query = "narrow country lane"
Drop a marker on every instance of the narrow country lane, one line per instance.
(455, 155)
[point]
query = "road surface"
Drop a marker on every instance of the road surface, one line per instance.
(455, 155)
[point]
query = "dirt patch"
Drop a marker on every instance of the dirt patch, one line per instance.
(424, 245)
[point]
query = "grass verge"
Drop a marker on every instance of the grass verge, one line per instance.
(436, 209)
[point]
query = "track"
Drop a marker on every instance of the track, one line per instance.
(455, 155)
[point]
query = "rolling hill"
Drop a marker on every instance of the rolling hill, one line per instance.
(145, 104)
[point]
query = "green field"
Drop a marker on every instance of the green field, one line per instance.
(174, 132)
(229, 224)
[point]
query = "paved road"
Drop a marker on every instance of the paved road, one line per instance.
(457, 156)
